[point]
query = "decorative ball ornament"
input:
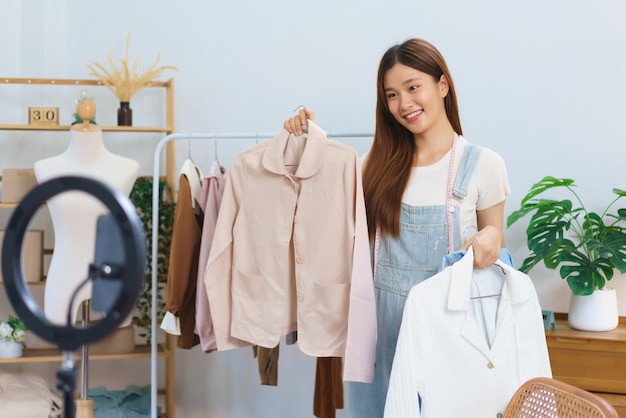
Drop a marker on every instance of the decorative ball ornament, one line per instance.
(86, 109)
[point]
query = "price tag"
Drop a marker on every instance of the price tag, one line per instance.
(43, 115)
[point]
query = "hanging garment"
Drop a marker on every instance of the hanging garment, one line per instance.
(328, 394)
(460, 353)
(291, 251)
(267, 364)
(182, 275)
(209, 200)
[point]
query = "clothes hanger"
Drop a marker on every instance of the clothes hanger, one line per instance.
(217, 159)
(189, 157)
(493, 294)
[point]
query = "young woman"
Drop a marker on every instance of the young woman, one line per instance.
(428, 192)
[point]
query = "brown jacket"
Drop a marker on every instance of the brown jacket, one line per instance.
(183, 265)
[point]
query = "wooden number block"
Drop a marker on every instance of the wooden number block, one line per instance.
(43, 115)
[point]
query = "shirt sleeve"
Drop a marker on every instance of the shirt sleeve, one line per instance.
(362, 328)
(492, 179)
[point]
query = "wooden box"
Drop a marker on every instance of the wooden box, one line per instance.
(16, 182)
(32, 255)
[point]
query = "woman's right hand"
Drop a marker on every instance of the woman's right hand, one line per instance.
(298, 124)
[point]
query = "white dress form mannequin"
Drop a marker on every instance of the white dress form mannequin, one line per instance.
(74, 214)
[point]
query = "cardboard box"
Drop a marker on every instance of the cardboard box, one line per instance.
(32, 255)
(119, 341)
(16, 182)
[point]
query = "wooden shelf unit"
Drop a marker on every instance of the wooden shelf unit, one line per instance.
(156, 129)
(594, 361)
(165, 349)
(48, 355)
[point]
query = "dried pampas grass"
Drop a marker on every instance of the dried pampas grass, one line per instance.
(123, 81)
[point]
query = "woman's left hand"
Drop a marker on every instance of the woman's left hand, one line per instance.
(487, 244)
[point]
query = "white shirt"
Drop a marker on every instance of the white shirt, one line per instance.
(462, 361)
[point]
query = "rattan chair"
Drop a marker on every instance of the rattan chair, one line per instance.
(543, 397)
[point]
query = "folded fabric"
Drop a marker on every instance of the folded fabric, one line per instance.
(132, 402)
(27, 396)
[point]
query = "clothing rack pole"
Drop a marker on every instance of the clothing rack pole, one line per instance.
(155, 227)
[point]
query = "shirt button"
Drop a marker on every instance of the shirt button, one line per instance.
(299, 259)
(300, 298)
(490, 365)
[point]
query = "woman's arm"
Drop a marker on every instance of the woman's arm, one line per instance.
(490, 237)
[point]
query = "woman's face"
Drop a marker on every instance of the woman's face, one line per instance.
(415, 99)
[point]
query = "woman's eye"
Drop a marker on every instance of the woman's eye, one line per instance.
(391, 95)
(413, 88)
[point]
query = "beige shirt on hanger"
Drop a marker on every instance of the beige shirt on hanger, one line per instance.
(291, 251)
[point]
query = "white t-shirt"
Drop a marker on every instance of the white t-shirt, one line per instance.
(488, 186)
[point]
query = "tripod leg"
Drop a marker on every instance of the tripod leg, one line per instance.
(66, 383)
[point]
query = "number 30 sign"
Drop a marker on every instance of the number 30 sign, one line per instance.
(43, 115)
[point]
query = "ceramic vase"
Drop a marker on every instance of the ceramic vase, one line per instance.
(595, 312)
(10, 349)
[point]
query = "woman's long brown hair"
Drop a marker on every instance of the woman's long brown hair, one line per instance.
(388, 167)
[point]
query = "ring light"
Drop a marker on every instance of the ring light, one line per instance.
(129, 274)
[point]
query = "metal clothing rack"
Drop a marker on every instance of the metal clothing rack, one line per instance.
(155, 226)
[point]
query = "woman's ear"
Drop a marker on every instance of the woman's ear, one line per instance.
(443, 85)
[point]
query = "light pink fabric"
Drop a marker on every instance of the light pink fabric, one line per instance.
(291, 251)
(209, 199)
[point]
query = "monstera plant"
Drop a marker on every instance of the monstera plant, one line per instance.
(587, 247)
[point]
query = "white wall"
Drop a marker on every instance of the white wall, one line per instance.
(542, 83)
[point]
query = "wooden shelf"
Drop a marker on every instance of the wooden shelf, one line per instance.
(19, 127)
(8, 205)
(45, 355)
(39, 283)
(68, 82)
(165, 351)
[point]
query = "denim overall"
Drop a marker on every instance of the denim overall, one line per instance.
(411, 258)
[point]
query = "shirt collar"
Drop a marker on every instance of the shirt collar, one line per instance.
(311, 158)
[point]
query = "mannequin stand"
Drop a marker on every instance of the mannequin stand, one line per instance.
(84, 408)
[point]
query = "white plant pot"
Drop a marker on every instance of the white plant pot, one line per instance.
(595, 312)
(10, 349)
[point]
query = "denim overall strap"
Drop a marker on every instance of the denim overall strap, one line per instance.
(466, 168)
(449, 188)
